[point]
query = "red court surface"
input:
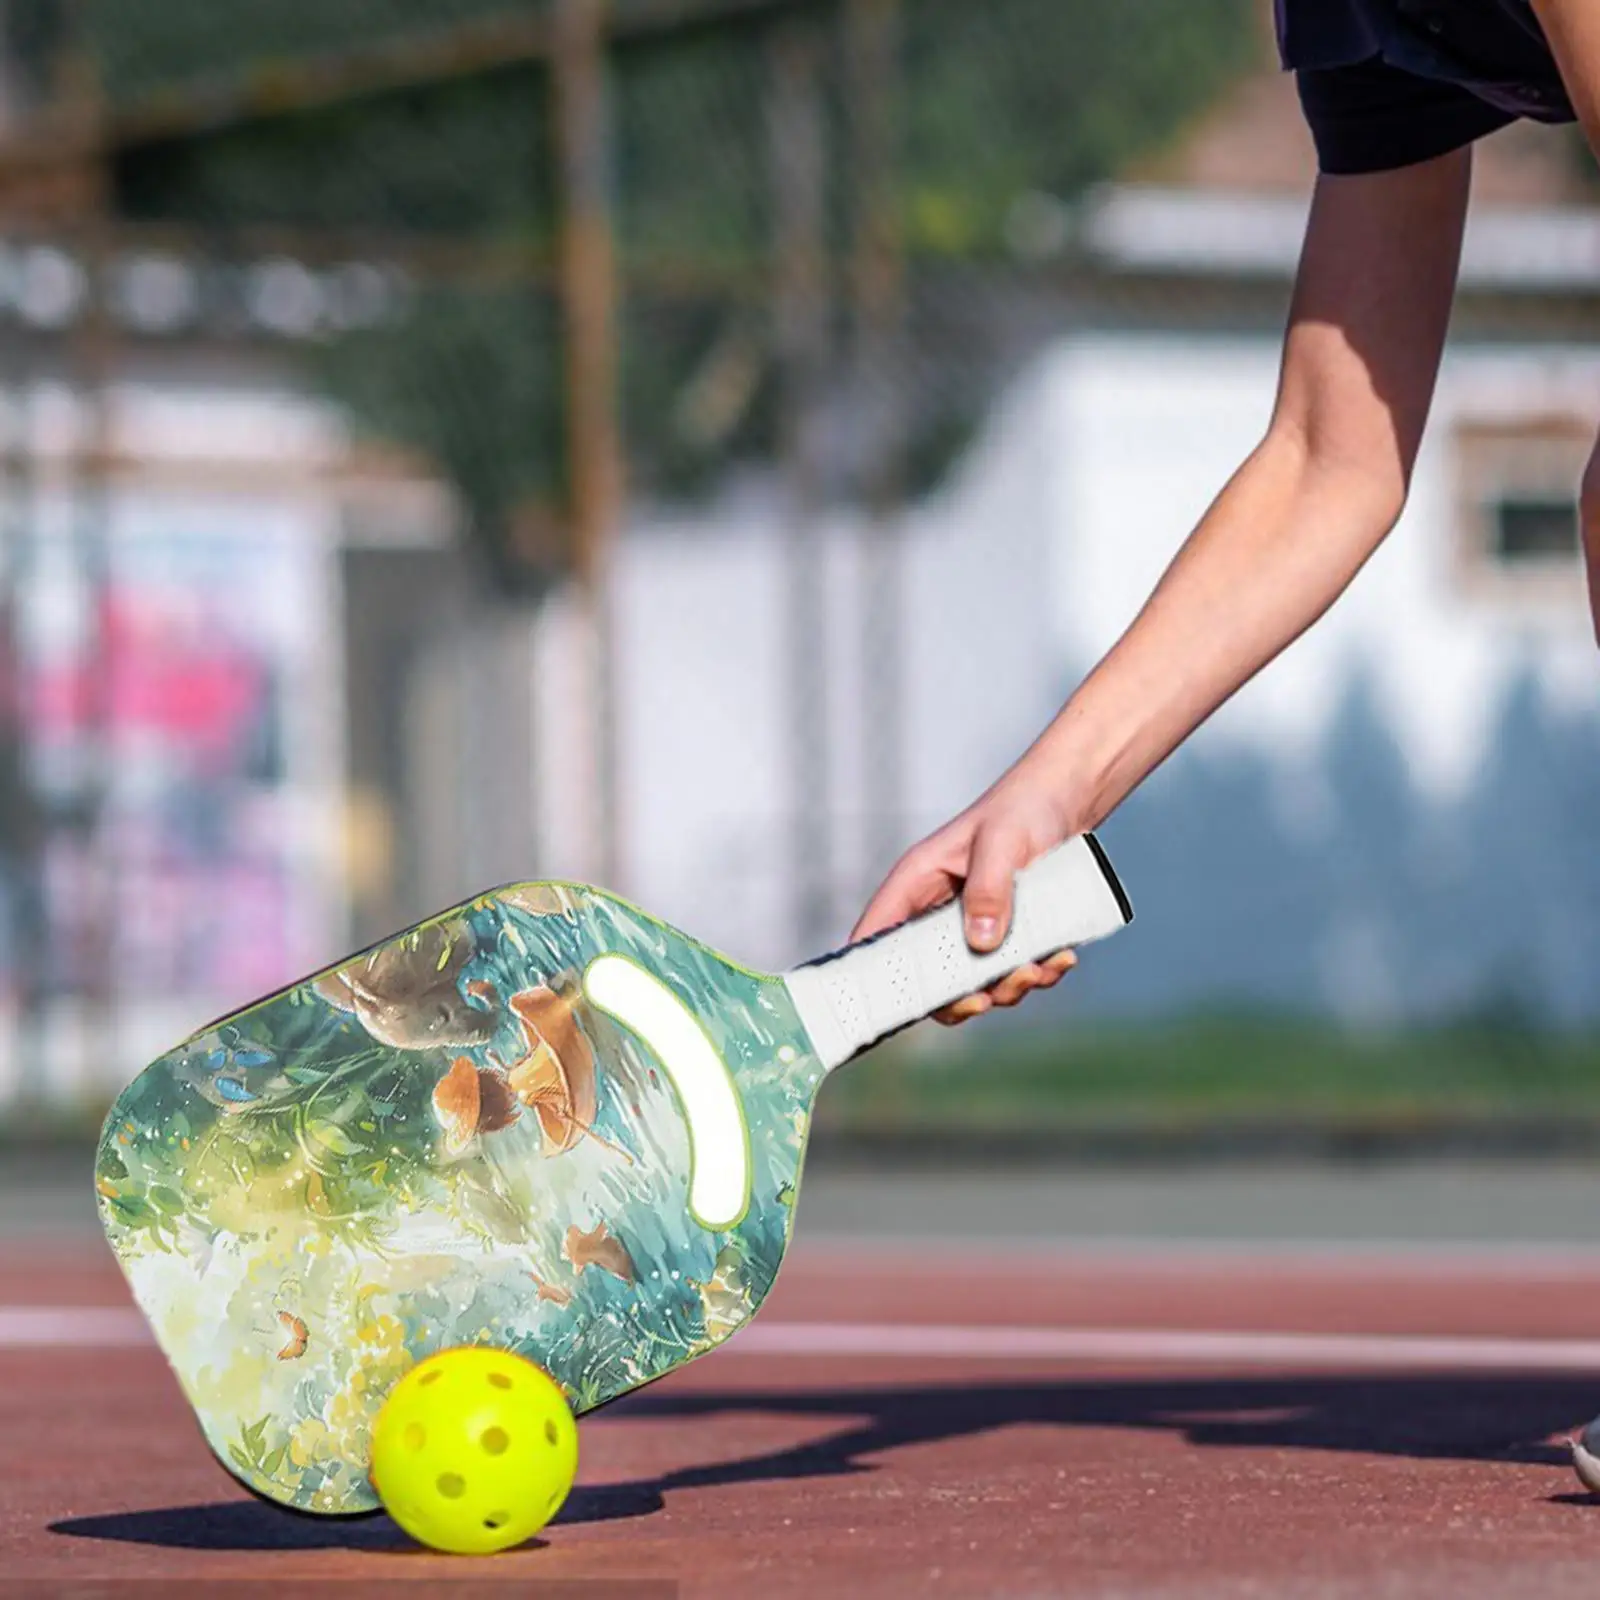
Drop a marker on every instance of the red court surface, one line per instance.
(897, 1423)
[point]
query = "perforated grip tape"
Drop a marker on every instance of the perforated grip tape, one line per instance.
(854, 997)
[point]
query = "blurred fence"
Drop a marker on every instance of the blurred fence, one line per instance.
(336, 336)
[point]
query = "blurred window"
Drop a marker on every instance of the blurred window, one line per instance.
(1517, 484)
(1534, 528)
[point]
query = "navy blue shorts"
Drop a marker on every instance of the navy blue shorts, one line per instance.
(1387, 83)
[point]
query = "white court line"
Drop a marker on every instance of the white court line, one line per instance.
(1139, 1346)
(46, 1328)
(865, 1255)
(81, 1327)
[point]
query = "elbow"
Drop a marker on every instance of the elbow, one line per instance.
(1368, 481)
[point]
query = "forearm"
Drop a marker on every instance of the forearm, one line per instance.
(1277, 548)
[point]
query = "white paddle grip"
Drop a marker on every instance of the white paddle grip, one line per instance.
(853, 998)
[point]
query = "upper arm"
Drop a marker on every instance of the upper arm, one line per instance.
(1572, 28)
(1369, 315)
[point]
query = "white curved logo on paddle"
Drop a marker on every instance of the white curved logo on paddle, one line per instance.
(719, 1144)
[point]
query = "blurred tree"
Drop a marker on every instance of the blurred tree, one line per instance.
(470, 380)
(34, 32)
(1532, 904)
(1000, 105)
(1021, 97)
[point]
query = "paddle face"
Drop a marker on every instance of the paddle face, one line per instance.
(544, 1122)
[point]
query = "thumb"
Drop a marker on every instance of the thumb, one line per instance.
(986, 899)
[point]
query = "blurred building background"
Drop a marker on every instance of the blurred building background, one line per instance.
(694, 445)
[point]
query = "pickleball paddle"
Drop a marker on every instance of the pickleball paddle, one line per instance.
(542, 1121)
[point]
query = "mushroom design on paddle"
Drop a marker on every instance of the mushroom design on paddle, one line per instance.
(407, 993)
(470, 1100)
(555, 1077)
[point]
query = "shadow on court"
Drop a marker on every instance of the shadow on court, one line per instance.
(1457, 1418)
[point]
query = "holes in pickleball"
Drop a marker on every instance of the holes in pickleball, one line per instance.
(429, 1377)
(495, 1440)
(499, 1380)
(451, 1485)
(415, 1436)
(551, 1436)
(551, 1504)
(496, 1519)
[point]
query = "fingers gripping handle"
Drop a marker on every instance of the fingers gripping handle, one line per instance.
(853, 998)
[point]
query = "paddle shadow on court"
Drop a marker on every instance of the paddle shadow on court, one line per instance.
(1452, 1418)
(1446, 1417)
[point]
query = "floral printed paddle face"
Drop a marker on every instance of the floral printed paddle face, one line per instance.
(543, 1121)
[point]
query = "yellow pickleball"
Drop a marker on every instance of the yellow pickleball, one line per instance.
(474, 1451)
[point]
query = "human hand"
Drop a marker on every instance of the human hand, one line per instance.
(977, 855)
